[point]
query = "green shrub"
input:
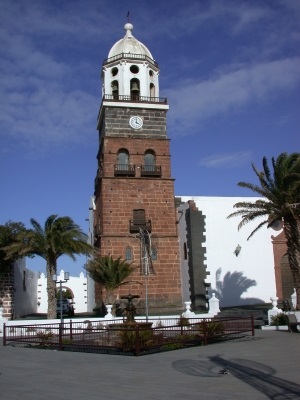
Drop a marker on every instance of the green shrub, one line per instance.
(172, 346)
(128, 336)
(187, 336)
(67, 341)
(212, 328)
(45, 337)
(183, 321)
(279, 319)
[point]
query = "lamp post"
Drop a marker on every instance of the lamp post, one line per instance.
(66, 278)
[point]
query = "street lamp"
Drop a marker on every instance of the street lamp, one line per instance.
(66, 278)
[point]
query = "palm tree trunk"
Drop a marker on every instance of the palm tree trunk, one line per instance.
(51, 289)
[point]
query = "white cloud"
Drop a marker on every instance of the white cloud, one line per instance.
(233, 16)
(226, 160)
(43, 104)
(231, 91)
(45, 101)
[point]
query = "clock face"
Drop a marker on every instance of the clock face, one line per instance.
(136, 122)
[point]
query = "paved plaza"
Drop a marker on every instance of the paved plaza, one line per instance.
(266, 366)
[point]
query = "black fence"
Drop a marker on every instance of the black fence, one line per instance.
(119, 337)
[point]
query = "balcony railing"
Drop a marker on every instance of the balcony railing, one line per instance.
(135, 225)
(130, 56)
(134, 98)
(150, 170)
(124, 170)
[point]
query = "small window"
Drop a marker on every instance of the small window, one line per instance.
(128, 253)
(151, 73)
(123, 166)
(134, 69)
(114, 71)
(149, 158)
(123, 157)
(139, 222)
(139, 216)
(24, 281)
(184, 251)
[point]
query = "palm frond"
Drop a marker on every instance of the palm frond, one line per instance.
(109, 272)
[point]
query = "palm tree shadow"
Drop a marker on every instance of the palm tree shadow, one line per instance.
(230, 290)
(259, 376)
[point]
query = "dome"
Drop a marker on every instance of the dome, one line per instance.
(129, 44)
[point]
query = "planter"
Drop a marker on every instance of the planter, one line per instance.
(109, 314)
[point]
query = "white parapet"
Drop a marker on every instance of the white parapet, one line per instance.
(213, 305)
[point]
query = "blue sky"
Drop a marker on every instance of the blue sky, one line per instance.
(230, 70)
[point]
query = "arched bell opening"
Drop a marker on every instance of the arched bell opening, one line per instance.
(135, 89)
(115, 89)
(152, 90)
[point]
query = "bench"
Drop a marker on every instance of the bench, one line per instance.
(292, 323)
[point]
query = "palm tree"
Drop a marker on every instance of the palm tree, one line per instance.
(281, 202)
(110, 273)
(60, 236)
(8, 232)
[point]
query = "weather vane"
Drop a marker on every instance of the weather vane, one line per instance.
(128, 16)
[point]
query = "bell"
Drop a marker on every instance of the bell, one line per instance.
(135, 87)
(114, 87)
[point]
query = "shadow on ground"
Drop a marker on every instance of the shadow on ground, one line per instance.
(259, 376)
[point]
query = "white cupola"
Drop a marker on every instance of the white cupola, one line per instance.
(130, 72)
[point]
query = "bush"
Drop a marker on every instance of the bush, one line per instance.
(183, 321)
(213, 328)
(279, 319)
(128, 333)
(45, 338)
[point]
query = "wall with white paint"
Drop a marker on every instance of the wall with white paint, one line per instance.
(255, 259)
(76, 285)
(25, 293)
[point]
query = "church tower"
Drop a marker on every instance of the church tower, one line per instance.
(135, 214)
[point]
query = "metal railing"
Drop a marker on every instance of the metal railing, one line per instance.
(134, 98)
(140, 337)
(125, 169)
(135, 225)
(131, 56)
(150, 170)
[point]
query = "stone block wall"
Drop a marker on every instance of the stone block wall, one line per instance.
(116, 122)
(6, 294)
(164, 286)
(116, 197)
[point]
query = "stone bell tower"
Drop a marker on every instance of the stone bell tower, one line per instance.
(135, 215)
